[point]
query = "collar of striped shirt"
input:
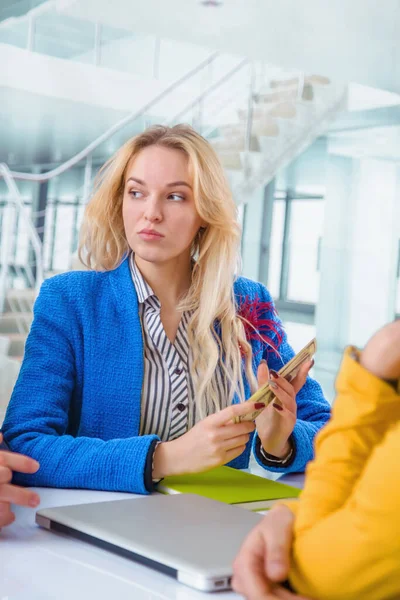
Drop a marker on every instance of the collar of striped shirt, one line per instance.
(167, 408)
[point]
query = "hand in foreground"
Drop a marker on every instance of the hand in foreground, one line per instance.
(381, 355)
(276, 423)
(264, 558)
(13, 494)
(212, 442)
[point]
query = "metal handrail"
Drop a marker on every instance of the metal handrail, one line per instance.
(10, 176)
(90, 148)
(211, 88)
(87, 152)
(236, 93)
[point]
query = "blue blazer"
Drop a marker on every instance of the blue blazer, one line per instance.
(76, 405)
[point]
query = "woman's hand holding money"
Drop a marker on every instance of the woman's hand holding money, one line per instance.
(276, 423)
(212, 442)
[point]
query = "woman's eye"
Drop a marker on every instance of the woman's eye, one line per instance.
(135, 194)
(176, 197)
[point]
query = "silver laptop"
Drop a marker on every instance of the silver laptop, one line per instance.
(191, 538)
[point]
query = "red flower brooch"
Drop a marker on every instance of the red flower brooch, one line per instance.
(252, 312)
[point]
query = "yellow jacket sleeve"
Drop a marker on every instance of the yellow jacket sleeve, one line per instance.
(347, 530)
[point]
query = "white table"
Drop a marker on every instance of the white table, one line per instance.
(36, 564)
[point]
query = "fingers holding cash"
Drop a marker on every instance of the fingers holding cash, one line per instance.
(290, 378)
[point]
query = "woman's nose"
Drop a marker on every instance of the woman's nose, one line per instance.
(153, 211)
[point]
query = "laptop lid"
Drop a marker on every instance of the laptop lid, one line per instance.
(189, 537)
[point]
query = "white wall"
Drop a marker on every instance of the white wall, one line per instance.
(105, 87)
(58, 78)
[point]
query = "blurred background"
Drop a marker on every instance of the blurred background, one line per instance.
(300, 100)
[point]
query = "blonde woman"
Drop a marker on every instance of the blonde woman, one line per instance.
(134, 369)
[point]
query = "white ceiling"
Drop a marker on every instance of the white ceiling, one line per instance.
(355, 40)
(33, 132)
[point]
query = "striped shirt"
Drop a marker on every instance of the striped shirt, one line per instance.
(167, 404)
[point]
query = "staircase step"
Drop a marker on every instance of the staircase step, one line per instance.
(234, 143)
(280, 84)
(269, 112)
(23, 293)
(262, 122)
(318, 79)
(266, 127)
(285, 110)
(19, 300)
(10, 321)
(275, 97)
(234, 129)
(290, 93)
(231, 160)
(294, 81)
(17, 344)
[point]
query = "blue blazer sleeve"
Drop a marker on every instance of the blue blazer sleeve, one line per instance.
(313, 410)
(37, 418)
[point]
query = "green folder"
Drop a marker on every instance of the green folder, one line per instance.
(231, 486)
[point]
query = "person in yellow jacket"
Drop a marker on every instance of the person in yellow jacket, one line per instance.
(344, 532)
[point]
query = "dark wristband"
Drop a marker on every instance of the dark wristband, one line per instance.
(269, 460)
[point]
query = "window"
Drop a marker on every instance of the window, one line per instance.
(305, 232)
(296, 233)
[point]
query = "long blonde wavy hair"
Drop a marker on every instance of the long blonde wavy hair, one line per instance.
(215, 331)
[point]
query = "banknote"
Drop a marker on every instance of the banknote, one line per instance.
(289, 371)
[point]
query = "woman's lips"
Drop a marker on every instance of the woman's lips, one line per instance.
(150, 236)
